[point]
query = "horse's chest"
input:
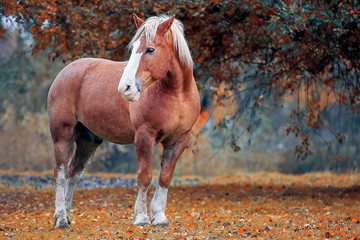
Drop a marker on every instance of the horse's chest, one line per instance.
(173, 125)
(169, 118)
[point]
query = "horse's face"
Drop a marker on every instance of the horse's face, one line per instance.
(149, 61)
(156, 60)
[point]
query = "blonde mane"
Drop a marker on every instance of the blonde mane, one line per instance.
(149, 28)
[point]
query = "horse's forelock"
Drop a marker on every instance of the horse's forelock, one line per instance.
(177, 29)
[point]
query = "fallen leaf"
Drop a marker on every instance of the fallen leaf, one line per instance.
(240, 232)
(282, 214)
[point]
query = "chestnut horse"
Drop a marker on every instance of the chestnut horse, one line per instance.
(85, 107)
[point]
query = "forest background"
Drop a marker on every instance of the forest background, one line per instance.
(279, 80)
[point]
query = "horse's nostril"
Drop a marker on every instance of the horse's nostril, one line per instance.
(127, 88)
(138, 85)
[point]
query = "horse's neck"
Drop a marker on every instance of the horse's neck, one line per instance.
(179, 79)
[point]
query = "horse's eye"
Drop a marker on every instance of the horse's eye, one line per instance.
(149, 51)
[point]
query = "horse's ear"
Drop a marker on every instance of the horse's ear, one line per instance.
(138, 21)
(165, 26)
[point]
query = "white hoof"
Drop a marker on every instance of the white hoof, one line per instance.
(159, 219)
(141, 219)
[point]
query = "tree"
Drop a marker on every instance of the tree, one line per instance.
(305, 52)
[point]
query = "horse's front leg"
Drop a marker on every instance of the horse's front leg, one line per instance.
(144, 143)
(170, 156)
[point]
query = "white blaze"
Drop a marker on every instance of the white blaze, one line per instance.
(127, 85)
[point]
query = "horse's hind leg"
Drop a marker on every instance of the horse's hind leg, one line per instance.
(86, 145)
(170, 156)
(63, 136)
(67, 173)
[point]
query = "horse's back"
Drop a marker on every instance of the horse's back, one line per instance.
(68, 82)
(86, 91)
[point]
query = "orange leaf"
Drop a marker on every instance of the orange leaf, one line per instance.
(52, 9)
(201, 59)
(241, 232)
(34, 29)
(282, 213)
(58, 230)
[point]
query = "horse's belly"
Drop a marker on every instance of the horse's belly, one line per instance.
(110, 130)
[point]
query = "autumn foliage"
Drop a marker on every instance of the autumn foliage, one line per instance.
(265, 53)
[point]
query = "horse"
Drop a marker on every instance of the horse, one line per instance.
(151, 99)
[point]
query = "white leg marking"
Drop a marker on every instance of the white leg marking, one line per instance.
(158, 205)
(127, 86)
(60, 216)
(71, 184)
(140, 215)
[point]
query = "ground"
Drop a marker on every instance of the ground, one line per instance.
(248, 205)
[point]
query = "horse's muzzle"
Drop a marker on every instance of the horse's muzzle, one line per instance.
(132, 97)
(130, 91)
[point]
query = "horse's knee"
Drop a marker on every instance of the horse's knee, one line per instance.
(144, 178)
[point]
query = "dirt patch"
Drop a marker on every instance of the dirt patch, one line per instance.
(261, 206)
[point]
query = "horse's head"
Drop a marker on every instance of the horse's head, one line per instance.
(151, 57)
